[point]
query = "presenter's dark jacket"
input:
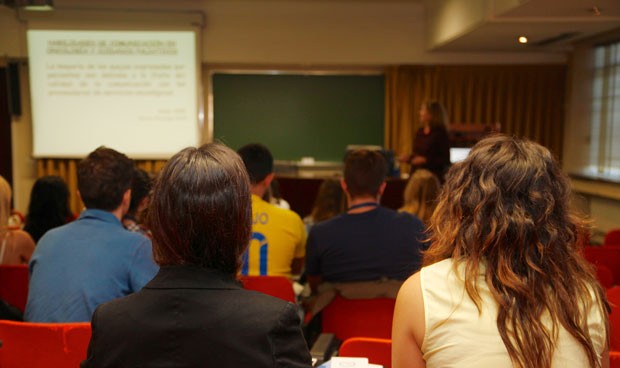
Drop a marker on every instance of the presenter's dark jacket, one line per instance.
(194, 317)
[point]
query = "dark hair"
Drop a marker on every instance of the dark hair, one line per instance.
(439, 116)
(200, 212)
(103, 177)
(140, 187)
(329, 201)
(504, 212)
(257, 160)
(48, 207)
(364, 171)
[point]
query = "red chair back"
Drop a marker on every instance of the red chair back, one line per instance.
(278, 286)
(43, 345)
(605, 256)
(14, 285)
(613, 296)
(378, 351)
(614, 359)
(348, 318)
(612, 237)
(604, 276)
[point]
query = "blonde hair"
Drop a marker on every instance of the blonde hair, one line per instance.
(420, 195)
(5, 204)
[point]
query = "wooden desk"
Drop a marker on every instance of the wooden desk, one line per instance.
(301, 192)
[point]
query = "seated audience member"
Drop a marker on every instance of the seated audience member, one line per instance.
(16, 246)
(368, 251)
(140, 196)
(503, 283)
(93, 259)
(278, 241)
(329, 202)
(421, 194)
(49, 206)
(194, 313)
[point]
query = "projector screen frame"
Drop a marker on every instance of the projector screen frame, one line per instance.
(198, 112)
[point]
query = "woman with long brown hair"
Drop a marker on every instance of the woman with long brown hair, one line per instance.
(503, 283)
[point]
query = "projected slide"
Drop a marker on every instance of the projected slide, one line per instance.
(133, 91)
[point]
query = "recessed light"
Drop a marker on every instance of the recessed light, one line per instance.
(522, 39)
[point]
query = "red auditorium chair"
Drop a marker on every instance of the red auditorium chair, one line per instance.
(614, 359)
(14, 285)
(605, 256)
(378, 351)
(278, 286)
(348, 318)
(43, 345)
(605, 276)
(613, 296)
(612, 237)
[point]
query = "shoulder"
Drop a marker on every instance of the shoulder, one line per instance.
(404, 219)
(328, 225)
(21, 237)
(280, 213)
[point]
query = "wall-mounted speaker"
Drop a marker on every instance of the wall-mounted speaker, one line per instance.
(13, 88)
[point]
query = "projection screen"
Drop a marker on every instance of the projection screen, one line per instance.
(134, 91)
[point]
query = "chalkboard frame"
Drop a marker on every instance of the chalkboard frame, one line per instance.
(353, 72)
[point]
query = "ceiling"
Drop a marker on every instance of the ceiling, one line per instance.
(549, 25)
(453, 25)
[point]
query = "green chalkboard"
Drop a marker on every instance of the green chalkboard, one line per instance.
(299, 115)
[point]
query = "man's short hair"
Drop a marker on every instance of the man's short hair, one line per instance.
(103, 177)
(140, 188)
(364, 171)
(258, 161)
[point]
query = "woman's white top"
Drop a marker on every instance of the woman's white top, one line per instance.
(458, 336)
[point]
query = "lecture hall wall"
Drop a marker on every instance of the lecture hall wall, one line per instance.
(250, 33)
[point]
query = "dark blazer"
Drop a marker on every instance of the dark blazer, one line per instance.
(194, 317)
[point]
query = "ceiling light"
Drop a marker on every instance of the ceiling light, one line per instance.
(522, 39)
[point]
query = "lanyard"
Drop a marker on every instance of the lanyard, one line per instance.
(365, 204)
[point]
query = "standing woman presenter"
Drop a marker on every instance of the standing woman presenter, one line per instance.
(431, 146)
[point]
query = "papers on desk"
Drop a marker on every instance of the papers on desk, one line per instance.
(341, 362)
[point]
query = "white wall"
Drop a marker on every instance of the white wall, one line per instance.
(252, 33)
(602, 200)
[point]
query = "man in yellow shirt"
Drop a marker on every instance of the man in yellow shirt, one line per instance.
(278, 243)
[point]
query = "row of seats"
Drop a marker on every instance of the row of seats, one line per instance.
(364, 324)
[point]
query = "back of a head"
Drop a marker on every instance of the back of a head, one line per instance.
(103, 177)
(48, 207)
(507, 194)
(5, 203)
(505, 209)
(258, 161)
(420, 194)
(364, 172)
(200, 211)
(49, 195)
(329, 200)
(140, 188)
(439, 115)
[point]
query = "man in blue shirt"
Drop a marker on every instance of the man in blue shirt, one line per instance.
(94, 259)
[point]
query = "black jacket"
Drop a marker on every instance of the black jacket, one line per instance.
(193, 317)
